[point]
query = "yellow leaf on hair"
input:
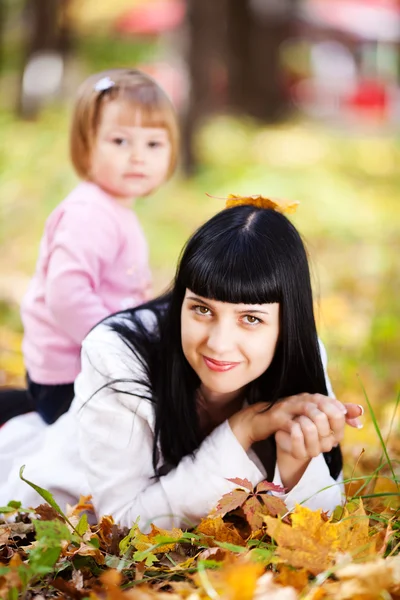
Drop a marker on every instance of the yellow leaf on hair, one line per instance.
(281, 206)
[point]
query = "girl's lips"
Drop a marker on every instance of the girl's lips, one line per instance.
(218, 365)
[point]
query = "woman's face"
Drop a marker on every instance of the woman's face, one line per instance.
(228, 345)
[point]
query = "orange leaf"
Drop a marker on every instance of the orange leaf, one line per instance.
(143, 541)
(217, 530)
(282, 206)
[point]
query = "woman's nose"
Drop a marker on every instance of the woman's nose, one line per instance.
(220, 338)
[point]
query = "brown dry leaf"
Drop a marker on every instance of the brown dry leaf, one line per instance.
(312, 543)
(217, 554)
(47, 513)
(282, 206)
(69, 589)
(11, 579)
(216, 529)
(5, 532)
(367, 581)
(104, 530)
(143, 541)
(86, 550)
(84, 504)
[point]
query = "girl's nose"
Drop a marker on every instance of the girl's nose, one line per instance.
(136, 153)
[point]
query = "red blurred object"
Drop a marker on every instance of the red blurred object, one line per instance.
(151, 17)
(369, 97)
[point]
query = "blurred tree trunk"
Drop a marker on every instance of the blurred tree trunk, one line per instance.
(233, 61)
(2, 28)
(205, 24)
(256, 30)
(49, 30)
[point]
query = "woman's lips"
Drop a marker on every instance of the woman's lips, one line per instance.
(218, 365)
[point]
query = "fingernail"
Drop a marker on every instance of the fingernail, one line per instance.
(360, 425)
(343, 409)
(361, 408)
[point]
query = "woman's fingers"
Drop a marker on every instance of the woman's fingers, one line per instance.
(354, 411)
(297, 439)
(320, 420)
(335, 415)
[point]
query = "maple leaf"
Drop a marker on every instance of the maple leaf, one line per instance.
(254, 503)
(230, 501)
(217, 530)
(312, 543)
(282, 206)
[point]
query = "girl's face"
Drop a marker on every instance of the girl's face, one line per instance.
(228, 345)
(128, 160)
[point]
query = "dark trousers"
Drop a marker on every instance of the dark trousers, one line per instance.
(50, 401)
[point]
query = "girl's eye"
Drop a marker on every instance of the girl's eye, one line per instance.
(201, 310)
(120, 141)
(154, 144)
(251, 320)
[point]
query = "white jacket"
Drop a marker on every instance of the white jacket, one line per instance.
(103, 447)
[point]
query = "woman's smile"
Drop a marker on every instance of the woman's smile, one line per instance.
(219, 365)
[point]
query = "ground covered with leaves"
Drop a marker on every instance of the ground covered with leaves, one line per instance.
(249, 547)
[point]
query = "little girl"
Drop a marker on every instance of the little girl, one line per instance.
(93, 258)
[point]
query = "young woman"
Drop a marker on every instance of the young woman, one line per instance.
(222, 377)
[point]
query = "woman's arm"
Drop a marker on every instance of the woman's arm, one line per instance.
(116, 432)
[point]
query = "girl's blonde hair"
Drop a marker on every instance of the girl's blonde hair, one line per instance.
(129, 85)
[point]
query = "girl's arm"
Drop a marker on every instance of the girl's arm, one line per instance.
(82, 246)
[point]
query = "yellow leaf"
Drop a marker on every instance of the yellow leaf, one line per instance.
(220, 531)
(310, 542)
(282, 206)
(236, 580)
(143, 542)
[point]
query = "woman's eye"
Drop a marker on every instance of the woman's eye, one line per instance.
(251, 320)
(201, 310)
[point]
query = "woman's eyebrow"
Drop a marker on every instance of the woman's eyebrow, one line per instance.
(250, 311)
(197, 299)
(245, 311)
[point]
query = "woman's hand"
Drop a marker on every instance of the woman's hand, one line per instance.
(255, 423)
(317, 430)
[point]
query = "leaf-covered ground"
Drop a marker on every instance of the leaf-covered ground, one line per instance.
(248, 548)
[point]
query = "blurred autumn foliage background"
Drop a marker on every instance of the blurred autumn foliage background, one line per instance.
(291, 98)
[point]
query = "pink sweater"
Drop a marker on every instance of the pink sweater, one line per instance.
(93, 261)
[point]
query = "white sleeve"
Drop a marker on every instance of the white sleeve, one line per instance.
(116, 433)
(310, 490)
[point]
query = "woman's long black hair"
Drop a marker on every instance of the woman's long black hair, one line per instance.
(242, 255)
